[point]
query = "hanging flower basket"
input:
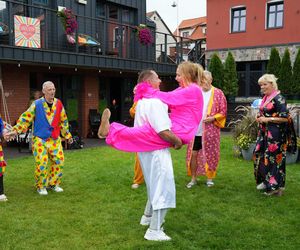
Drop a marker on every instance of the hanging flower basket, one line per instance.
(144, 34)
(68, 21)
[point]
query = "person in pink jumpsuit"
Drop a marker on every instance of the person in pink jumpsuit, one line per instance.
(185, 105)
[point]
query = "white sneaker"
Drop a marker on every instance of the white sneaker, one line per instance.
(42, 191)
(261, 186)
(191, 184)
(57, 189)
(210, 183)
(156, 235)
(3, 197)
(145, 221)
(135, 186)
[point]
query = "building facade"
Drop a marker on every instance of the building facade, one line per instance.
(162, 31)
(192, 34)
(93, 63)
(249, 29)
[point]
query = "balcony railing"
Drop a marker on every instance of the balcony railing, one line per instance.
(34, 27)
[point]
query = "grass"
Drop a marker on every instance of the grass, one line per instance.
(99, 210)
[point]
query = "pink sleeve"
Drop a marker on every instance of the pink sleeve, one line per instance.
(176, 97)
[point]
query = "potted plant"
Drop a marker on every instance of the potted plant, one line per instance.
(294, 112)
(69, 23)
(245, 130)
(144, 34)
(246, 144)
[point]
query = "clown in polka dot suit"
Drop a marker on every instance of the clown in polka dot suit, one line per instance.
(49, 120)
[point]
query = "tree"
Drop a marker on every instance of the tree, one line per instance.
(274, 63)
(231, 86)
(285, 80)
(296, 73)
(217, 70)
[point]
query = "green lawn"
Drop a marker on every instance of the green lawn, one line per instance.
(99, 210)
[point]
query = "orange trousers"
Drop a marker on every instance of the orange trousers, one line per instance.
(138, 173)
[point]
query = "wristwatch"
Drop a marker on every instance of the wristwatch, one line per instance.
(272, 119)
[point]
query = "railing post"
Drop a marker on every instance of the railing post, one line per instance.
(196, 52)
(10, 22)
(166, 49)
(181, 49)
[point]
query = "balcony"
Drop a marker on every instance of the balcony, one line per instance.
(33, 34)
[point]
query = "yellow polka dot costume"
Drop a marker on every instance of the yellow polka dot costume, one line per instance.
(46, 148)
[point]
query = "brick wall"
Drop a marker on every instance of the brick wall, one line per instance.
(89, 99)
(16, 90)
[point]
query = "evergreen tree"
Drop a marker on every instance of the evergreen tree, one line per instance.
(285, 80)
(230, 76)
(274, 63)
(296, 73)
(217, 70)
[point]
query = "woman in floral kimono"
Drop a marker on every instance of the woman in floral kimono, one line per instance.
(203, 153)
(271, 145)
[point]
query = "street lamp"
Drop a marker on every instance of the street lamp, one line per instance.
(174, 5)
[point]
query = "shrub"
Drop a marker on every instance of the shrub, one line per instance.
(217, 70)
(296, 73)
(230, 86)
(274, 63)
(285, 80)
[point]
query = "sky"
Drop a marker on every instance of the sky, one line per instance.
(187, 9)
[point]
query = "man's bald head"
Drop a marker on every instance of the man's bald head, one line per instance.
(149, 76)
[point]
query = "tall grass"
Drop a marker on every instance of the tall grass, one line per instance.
(99, 210)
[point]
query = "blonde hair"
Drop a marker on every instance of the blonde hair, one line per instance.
(207, 75)
(191, 72)
(269, 78)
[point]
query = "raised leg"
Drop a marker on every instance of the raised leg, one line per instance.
(104, 126)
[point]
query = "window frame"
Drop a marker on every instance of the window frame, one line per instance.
(239, 17)
(276, 4)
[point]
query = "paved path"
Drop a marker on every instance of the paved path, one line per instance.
(13, 152)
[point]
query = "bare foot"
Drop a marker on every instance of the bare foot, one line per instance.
(104, 126)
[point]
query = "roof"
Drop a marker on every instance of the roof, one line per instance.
(151, 13)
(190, 23)
(196, 24)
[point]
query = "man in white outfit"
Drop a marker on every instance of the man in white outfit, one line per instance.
(156, 165)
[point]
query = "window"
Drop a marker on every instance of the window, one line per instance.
(238, 19)
(185, 34)
(118, 37)
(113, 12)
(128, 16)
(100, 9)
(275, 15)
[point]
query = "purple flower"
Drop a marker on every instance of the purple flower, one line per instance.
(144, 35)
(68, 21)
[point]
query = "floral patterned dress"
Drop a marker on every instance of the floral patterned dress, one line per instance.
(271, 145)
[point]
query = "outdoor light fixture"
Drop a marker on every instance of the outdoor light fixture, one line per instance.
(49, 67)
(121, 72)
(75, 69)
(19, 65)
(99, 70)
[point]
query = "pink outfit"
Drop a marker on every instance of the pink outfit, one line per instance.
(185, 105)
